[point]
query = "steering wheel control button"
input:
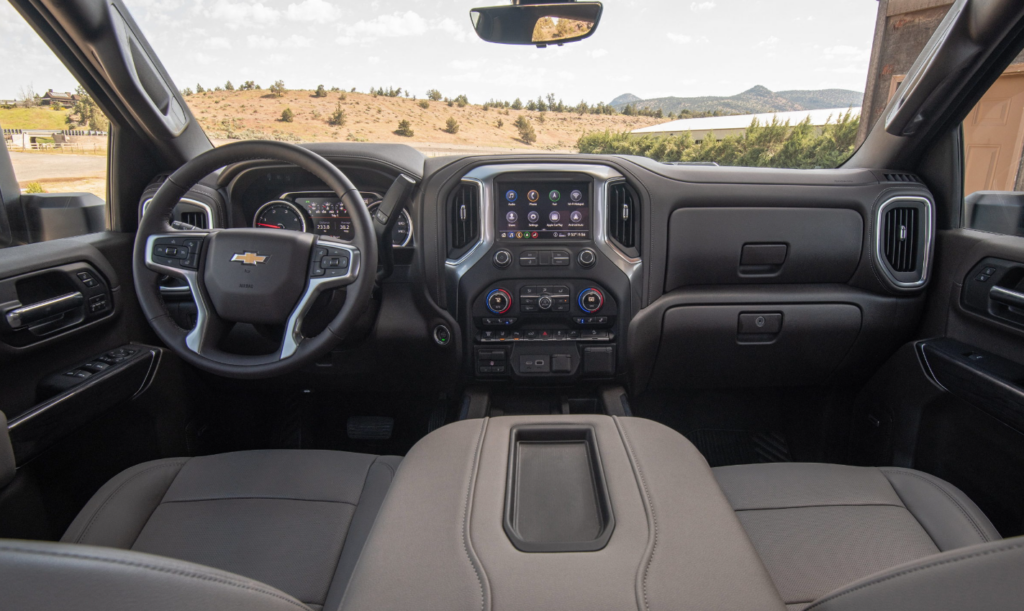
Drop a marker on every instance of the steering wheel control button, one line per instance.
(591, 300)
(587, 258)
(176, 252)
(499, 301)
(442, 335)
(330, 262)
(502, 259)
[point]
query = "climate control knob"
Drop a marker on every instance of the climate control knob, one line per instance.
(502, 259)
(586, 258)
(544, 302)
(499, 301)
(591, 300)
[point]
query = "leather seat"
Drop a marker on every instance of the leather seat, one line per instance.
(293, 519)
(818, 527)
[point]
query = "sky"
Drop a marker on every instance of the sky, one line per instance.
(648, 48)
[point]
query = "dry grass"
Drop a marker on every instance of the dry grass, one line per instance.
(94, 185)
(256, 114)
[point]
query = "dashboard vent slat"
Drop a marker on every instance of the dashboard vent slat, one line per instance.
(464, 218)
(899, 177)
(900, 237)
(623, 209)
(196, 219)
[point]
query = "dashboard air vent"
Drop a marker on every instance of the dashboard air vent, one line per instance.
(900, 238)
(197, 219)
(623, 216)
(463, 218)
(902, 178)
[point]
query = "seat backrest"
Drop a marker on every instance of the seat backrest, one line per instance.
(989, 576)
(36, 575)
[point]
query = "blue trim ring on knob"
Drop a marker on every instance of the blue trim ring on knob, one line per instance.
(579, 300)
(508, 300)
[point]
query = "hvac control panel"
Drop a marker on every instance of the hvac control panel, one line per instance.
(544, 328)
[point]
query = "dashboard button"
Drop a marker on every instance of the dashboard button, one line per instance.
(499, 301)
(587, 258)
(591, 300)
(544, 303)
(502, 259)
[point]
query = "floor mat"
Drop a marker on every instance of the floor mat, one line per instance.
(738, 447)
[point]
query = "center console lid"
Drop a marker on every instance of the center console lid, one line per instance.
(637, 522)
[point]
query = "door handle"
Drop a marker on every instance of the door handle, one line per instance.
(25, 315)
(1007, 297)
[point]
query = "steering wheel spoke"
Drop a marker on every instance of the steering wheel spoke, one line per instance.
(332, 265)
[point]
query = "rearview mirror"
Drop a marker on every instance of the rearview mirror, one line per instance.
(536, 24)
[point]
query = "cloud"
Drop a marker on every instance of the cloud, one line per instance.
(297, 41)
(700, 7)
(313, 10)
(408, 23)
(768, 43)
(217, 42)
(261, 42)
(680, 38)
(467, 64)
(449, 26)
(596, 53)
(846, 52)
(373, 60)
(236, 15)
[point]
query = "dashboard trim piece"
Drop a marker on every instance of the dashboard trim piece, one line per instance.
(484, 177)
(928, 237)
(210, 218)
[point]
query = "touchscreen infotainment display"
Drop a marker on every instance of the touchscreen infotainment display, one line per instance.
(542, 210)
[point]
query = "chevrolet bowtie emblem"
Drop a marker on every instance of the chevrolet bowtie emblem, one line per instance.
(249, 258)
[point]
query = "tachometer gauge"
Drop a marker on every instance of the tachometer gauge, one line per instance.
(401, 234)
(279, 214)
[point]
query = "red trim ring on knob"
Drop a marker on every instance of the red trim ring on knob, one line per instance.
(508, 301)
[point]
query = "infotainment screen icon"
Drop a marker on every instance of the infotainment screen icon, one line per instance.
(550, 211)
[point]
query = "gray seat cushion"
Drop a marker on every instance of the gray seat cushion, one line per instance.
(818, 527)
(293, 519)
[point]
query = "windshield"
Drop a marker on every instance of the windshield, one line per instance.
(732, 82)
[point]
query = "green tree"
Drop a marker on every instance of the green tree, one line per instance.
(451, 126)
(337, 118)
(517, 105)
(86, 114)
(404, 129)
(228, 86)
(526, 132)
(248, 86)
(321, 92)
(433, 95)
(278, 89)
(287, 115)
(199, 88)
(461, 101)
(424, 104)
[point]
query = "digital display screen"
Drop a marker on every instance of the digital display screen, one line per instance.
(529, 211)
(330, 218)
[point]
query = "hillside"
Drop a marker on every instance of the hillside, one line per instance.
(257, 114)
(754, 100)
(33, 118)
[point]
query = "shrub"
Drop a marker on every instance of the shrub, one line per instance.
(228, 86)
(424, 104)
(320, 92)
(461, 101)
(335, 90)
(451, 126)
(450, 103)
(287, 115)
(248, 86)
(56, 106)
(434, 95)
(186, 91)
(540, 118)
(500, 124)
(343, 96)
(517, 105)
(278, 89)
(526, 133)
(404, 129)
(34, 187)
(337, 118)
(199, 88)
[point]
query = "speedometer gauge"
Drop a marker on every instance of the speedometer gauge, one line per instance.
(279, 214)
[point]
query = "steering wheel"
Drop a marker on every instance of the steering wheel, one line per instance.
(253, 275)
